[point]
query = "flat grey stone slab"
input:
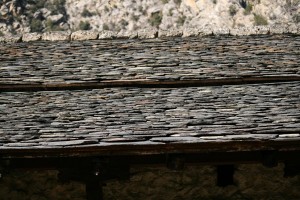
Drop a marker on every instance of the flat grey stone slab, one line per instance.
(84, 35)
(147, 33)
(10, 39)
(68, 143)
(56, 36)
(172, 139)
(29, 37)
(107, 35)
(158, 59)
(130, 116)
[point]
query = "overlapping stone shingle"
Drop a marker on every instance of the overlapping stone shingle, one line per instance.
(135, 115)
(151, 59)
(129, 116)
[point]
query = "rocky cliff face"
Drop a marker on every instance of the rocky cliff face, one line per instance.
(22, 16)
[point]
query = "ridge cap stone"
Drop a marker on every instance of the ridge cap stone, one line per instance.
(151, 33)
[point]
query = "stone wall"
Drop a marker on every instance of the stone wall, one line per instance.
(252, 181)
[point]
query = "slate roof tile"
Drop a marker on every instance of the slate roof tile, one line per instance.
(133, 115)
(155, 59)
(243, 118)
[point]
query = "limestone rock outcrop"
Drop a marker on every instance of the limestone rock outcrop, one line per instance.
(20, 16)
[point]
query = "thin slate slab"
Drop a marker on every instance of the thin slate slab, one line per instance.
(119, 116)
(68, 143)
(159, 59)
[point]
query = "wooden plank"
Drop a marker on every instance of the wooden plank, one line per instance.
(146, 84)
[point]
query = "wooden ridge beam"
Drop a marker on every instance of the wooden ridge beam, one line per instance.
(158, 149)
(146, 83)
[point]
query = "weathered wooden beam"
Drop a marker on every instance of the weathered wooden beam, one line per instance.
(146, 83)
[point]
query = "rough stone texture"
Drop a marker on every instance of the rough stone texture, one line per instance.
(140, 14)
(147, 33)
(11, 39)
(294, 29)
(152, 33)
(28, 37)
(107, 35)
(251, 181)
(127, 34)
(120, 116)
(221, 31)
(263, 30)
(133, 15)
(57, 36)
(256, 30)
(152, 59)
(191, 32)
(243, 31)
(278, 29)
(84, 35)
(170, 33)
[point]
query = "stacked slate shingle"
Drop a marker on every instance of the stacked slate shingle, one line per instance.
(139, 96)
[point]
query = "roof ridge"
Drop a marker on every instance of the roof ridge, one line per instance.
(150, 33)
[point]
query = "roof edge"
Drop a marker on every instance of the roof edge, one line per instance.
(149, 33)
(152, 149)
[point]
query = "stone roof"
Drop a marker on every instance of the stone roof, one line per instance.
(228, 93)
